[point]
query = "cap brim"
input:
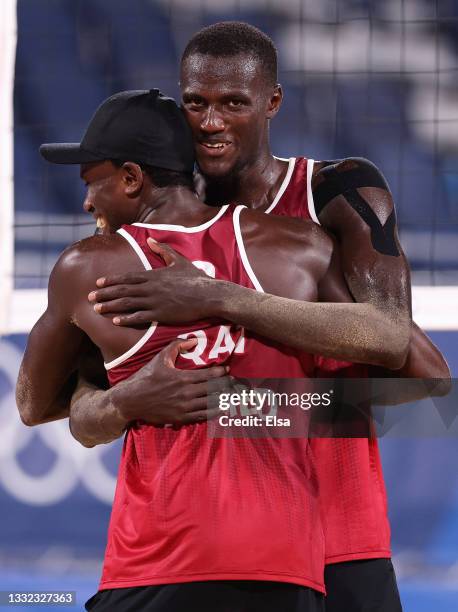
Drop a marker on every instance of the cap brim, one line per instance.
(67, 153)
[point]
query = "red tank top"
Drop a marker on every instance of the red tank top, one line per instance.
(352, 490)
(189, 507)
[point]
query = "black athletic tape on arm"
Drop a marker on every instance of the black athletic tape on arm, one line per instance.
(347, 183)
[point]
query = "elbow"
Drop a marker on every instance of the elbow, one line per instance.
(30, 414)
(24, 402)
(442, 387)
(27, 416)
(78, 436)
(83, 440)
(86, 443)
(442, 380)
(25, 408)
(442, 372)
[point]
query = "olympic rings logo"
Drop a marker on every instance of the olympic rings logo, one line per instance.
(73, 464)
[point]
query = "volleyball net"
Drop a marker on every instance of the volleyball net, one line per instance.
(371, 79)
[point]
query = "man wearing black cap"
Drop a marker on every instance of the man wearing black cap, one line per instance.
(151, 130)
(148, 128)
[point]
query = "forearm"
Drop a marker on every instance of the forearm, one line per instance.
(47, 377)
(424, 359)
(35, 410)
(352, 332)
(424, 374)
(95, 416)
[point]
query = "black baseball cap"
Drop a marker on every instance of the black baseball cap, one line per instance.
(141, 126)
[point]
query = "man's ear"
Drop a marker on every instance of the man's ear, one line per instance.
(132, 178)
(275, 101)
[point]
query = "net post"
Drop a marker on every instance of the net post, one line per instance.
(8, 36)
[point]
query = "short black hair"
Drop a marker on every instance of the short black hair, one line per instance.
(161, 177)
(230, 38)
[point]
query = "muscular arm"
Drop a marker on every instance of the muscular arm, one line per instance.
(62, 375)
(47, 376)
(86, 424)
(293, 259)
(424, 360)
(58, 347)
(353, 201)
(158, 393)
(356, 331)
(302, 266)
(58, 344)
(359, 332)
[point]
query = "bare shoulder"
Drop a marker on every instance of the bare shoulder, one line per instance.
(353, 201)
(345, 189)
(76, 253)
(86, 257)
(288, 232)
(82, 263)
(343, 161)
(356, 168)
(288, 255)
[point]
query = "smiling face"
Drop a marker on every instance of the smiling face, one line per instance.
(228, 102)
(109, 194)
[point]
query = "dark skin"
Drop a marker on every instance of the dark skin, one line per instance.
(239, 112)
(302, 264)
(125, 195)
(69, 329)
(227, 101)
(229, 104)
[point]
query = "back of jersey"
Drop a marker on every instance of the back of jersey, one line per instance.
(190, 507)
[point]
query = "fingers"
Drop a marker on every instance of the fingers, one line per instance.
(206, 374)
(170, 353)
(143, 317)
(123, 305)
(169, 356)
(164, 251)
(224, 384)
(200, 416)
(130, 278)
(115, 292)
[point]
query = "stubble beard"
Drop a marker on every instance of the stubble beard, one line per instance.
(223, 189)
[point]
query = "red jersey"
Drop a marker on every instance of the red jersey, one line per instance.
(189, 507)
(352, 490)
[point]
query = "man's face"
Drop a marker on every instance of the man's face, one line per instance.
(227, 102)
(105, 196)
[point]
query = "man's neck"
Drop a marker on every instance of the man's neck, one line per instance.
(254, 186)
(174, 206)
